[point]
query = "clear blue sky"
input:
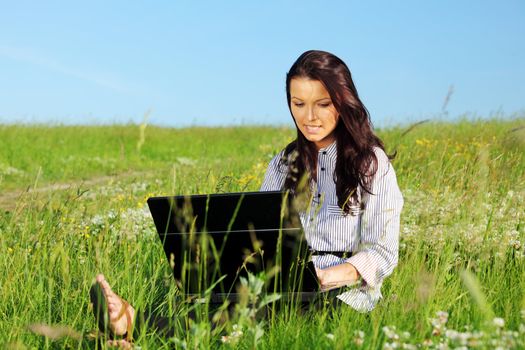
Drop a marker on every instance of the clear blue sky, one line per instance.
(224, 62)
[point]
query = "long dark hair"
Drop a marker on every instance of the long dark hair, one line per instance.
(356, 160)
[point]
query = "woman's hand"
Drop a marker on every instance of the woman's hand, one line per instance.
(337, 276)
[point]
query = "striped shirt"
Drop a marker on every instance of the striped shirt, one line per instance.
(370, 231)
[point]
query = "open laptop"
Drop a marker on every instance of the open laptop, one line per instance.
(212, 240)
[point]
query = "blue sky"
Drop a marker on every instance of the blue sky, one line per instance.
(223, 63)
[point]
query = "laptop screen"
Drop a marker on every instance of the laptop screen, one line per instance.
(212, 240)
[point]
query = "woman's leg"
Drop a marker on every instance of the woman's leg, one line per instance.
(123, 316)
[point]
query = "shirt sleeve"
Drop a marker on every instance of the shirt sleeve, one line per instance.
(377, 254)
(275, 175)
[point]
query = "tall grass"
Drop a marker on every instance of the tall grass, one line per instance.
(460, 277)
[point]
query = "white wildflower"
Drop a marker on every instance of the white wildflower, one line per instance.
(498, 322)
(442, 317)
(390, 332)
(427, 342)
(516, 244)
(452, 334)
(359, 337)
(389, 346)
(521, 328)
(180, 344)
(442, 346)
(234, 336)
(225, 339)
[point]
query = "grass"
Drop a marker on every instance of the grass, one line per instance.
(460, 278)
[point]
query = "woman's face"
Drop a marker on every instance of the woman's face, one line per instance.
(313, 111)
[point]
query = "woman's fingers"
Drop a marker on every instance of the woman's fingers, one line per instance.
(332, 277)
(328, 285)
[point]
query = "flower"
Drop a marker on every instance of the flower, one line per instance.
(359, 337)
(390, 332)
(498, 322)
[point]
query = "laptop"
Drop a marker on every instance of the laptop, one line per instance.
(211, 241)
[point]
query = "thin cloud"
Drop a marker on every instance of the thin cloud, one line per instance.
(37, 59)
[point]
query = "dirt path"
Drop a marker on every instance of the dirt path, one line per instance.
(8, 199)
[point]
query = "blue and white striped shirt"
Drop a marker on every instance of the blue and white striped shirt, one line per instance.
(371, 233)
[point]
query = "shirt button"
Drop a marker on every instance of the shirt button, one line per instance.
(322, 169)
(324, 152)
(319, 195)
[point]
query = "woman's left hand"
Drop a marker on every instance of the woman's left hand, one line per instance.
(337, 276)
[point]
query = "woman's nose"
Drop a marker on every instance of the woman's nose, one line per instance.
(311, 114)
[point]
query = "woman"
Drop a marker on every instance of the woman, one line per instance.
(351, 221)
(352, 225)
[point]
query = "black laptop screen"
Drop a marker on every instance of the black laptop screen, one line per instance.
(223, 236)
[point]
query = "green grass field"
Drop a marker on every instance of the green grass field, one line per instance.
(73, 204)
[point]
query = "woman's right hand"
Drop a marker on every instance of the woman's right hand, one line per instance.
(337, 276)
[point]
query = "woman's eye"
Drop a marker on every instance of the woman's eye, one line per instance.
(324, 105)
(297, 104)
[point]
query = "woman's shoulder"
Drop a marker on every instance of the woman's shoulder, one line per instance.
(275, 173)
(380, 154)
(278, 157)
(383, 161)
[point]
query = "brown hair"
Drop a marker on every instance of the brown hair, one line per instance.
(356, 160)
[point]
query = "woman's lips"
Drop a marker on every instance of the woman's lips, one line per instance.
(313, 129)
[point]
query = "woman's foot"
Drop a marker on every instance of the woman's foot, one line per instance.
(121, 313)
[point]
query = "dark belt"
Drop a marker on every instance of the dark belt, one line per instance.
(324, 252)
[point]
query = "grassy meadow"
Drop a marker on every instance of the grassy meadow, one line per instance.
(73, 204)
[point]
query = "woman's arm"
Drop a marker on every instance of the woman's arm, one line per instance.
(377, 253)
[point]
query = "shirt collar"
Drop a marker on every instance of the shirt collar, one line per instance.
(330, 150)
